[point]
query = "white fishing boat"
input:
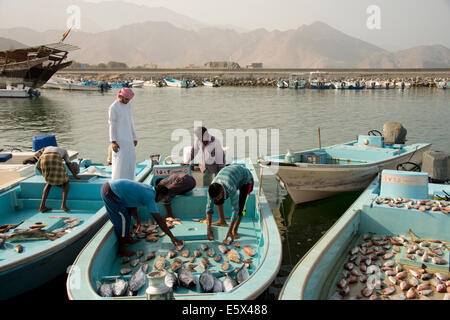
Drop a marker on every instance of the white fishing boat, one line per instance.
(19, 91)
(210, 84)
(350, 85)
(403, 85)
(137, 83)
(282, 84)
(372, 84)
(176, 83)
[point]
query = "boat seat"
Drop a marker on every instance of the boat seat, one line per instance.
(5, 157)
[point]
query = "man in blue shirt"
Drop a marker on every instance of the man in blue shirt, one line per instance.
(121, 198)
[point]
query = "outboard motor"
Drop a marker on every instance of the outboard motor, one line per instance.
(437, 165)
(394, 133)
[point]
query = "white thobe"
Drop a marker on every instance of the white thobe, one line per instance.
(121, 130)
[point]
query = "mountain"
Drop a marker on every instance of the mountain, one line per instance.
(8, 44)
(310, 46)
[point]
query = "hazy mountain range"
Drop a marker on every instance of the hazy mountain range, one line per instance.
(168, 39)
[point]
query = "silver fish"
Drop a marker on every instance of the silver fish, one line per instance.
(392, 280)
(171, 254)
(211, 252)
(106, 290)
(389, 290)
(228, 283)
(411, 294)
(441, 288)
(30, 235)
(125, 271)
(137, 280)
(425, 292)
(134, 263)
(426, 276)
(233, 255)
(204, 263)
(206, 281)
(160, 263)
(204, 246)
(186, 278)
(197, 253)
(413, 282)
(176, 264)
(441, 276)
(223, 249)
(438, 260)
(75, 222)
(145, 267)
(423, 286)
(218, 286)
(120, 287)
(139, 253)
(150, 255)
(404, 285)
(171, 280)
(242, 274)
(367, 292)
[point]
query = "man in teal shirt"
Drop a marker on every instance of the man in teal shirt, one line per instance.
(121, 198)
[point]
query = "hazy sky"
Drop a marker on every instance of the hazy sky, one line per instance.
(404, 23)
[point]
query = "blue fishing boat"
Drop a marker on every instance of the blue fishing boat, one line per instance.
(210, 83)
(176, 83)
(260, 248)
(282, 84)
(403, 222)
(349, 85)
(48, 242)
(324, 172)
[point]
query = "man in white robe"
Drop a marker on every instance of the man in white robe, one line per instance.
(122, 136)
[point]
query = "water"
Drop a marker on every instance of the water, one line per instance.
(80, 122)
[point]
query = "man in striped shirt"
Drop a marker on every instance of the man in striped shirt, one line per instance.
(225, 186)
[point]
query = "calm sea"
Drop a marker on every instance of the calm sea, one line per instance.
(80, 122)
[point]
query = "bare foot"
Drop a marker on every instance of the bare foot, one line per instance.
(65, 209)
(219, 223)
(44, 209)
(235, 236)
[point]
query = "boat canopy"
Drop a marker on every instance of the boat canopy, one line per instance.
(56, 51)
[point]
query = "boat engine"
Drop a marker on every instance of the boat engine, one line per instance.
(394, 132)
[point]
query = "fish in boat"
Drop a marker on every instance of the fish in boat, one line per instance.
(134, 263)
(150, 255)
(243, 274)
(411, 294)
(191, 267)
(250, 251)
(425, 292)
(29, 235)
(125, 271)
(237, 244)
(400, 296)
(389, 290)
(438, 260)
(176, 264)
(18, 248)
(171, 280)
(223, 249)
(204, 263)
(7, 227)
(75, 222)
(186, 278)
(225, 265)
(185, 253)
(228, 283)
(404, 286)
(171, 254)
(120, 287)
(423, 286)
(218, 286)
(413, 282)
(217, 258)
(206, 280)
(145, 267)
(151, 238)
(137, 280)
(197, 253)
(211, 253)
(204, 246)
(106, 290)
(160, 263)
(367, 292)
(441, 288)
(139, 253)
(2, 241)
(441, 276)
(233, 255)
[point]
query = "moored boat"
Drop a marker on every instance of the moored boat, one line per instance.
(176, 83)
(210, 83)
(282, 84)
(392, 243)
(19, 91)
(349, 85)
(47, 243)
(321, 173)
(260, 246)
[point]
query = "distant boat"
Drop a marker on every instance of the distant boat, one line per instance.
(282, 84)
(137, 83)
(316, 84)
(349, 85)
(154, 84)
(371, 84)
(19, 92)
(210, 83)
(403, 85)
(191, 83)
(72, 85)
(387, 85)
(176, 83)
(295, 82)
(443, 84)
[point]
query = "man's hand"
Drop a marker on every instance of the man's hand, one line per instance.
(135, 143)
(115, 146)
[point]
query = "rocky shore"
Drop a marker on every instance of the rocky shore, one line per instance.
(263, 77)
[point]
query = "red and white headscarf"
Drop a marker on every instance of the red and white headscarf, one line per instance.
(127, 93)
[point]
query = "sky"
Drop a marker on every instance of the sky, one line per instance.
(403, 23)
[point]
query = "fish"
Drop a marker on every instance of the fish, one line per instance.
(423, 286)
(414, 273)
(438, 260)
(398, 268)
(388, 291)
(233, 255)
(389, 264)
(204, 246)
(186, 278)
(425, 292)
(145, 267)
(225, 265)
(106, 290)
(185, 253)
(211, 252)
(176, 264)
(151, 238)
(426, 276)
(413, 282)
(400, 296)
(441, 288)
(367, 292)
(134, 263)
(171, 280)
(344, 291)
(349, 266)
(197, 253)
(137, 280)
(2, 241)
(125, 271)
(250, 251)
(237, 244)
(388, 256)
(191, 267)
(30, 235)
(411, 294)
(171, 254)
(120, 287)
(150, 255)
(125, 260)
(18, 248)
(228, 283)
(204, 263)
(404, 285)
(206, 280)
(392, 280)
(223, 249)
(160, 263)
(218, 286)
(217, 258)
(191, 259)
(441, 276)
(242, 274)
(363, 279)
(75, 222)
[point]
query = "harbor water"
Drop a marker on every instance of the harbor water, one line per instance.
(80, 122)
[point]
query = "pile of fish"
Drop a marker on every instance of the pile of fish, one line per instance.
(421, 205)
(373, 270)
(180, 267)
(150, 232)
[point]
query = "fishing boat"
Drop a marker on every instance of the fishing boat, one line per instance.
(372, 84)
(317, 84)
(19, 91)
(296, 81)
(349, 85)
(98, 264)
(282, 84)
(176, 83)
(403, 85)
(72, 85)
(154, 84)
(47, 243)
(210, 83)
(137, 83)
(410, 246)
(442, 84)
(324, 172)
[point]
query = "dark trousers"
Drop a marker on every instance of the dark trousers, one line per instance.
(244, 191)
